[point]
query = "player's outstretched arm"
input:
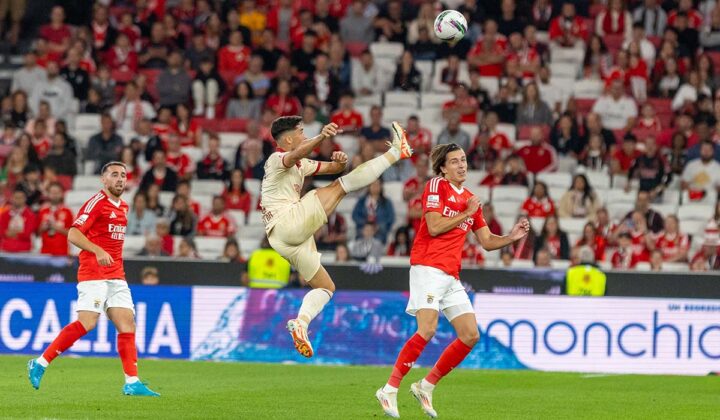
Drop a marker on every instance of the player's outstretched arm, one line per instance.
(337, 165)
(438, 224)
(491, 242)
(81, 241)
(306, 147)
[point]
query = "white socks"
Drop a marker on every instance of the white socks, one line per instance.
(131, 379)
(368, 172)
(390, 389)
(42, 362)
(313, 302)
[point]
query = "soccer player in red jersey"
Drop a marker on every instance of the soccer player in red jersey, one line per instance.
(99, 231)
(449, 212)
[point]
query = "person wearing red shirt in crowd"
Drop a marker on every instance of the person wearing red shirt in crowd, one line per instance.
(624, 158)
(463, 104)
(491, 220)
(159, 174)
(217, 224)
(213, 165)
(539, 156)
(593, 239)
(273, 22)
(420, 138)
(637, 228)
(515, 174)
(523, 61)
(178, 161)
(236, 195)
(708, 257)
(346, 117)
(497, 139)
(539, 204)
(568, 29)
(450, 212)
(624, 257)
(184, 190)
(187, 127)
(234, 57)
(54, 221)
(673, 244)
(472, 254)
(122, 57)
(99, 231)
(648, 119)
(401, 246)
(695, 18)
(40, 140)
(614, 20)
(17, 225)
(488, 54)
(495, 175)
(127, 27)
(162, 125)
(57, 33)
(553, 240)
(103, 33)
(416, 184)
(283, 103)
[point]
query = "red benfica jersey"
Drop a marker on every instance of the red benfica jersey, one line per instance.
(347, 120)
(538, 208)
(499, 141)
(626, 161)
(53, 243)
(650, 124)
(181, 163)
(444, 251)
(538, 158)
(216, 226)
(470, 118)
(421, 143)
(104, 222)
(233, 59)
(671, 244)
(42, 146)
(498, 47)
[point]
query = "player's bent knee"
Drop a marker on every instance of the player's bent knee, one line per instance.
(88, 319)
(426, 332)
(470, 338)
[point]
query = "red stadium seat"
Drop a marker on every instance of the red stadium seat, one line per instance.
(613, 43)
(584, 106)
(228, 77)
(643, 133)
(663, 110)
(595, 10)
(231, 125)
(355, 48)
(619, 134)
(715, 58)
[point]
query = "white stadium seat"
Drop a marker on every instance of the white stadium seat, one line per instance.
(563, 70)
(618, 210)
(437, 85)
(473, 178)
(709, 198)
(133, 244)
(87, 122)
(588, 89)
(555, 179)
(86, 183)
(231, 140)
(693, 227)
(675, 267)
(207, 187)
(515, 193)
(509, 130)
(556, 193)
(401, 99)
(391, 50)
(572, 224)
(509, 209)
(695, 211)
(253, 186)
(665, 209)
(430, 99)
(425, 67)
(490, 84)
(483, 192)
(373, 99)
(398, 113)
(620, 196)
(210, 248)
(598, 180)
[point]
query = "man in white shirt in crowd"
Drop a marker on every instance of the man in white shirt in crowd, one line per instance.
(29, 75)
(551, 94)
(366, 76)
(647, 49)
(131, 110)
(617, 110)
(703, 174)
(56, 91)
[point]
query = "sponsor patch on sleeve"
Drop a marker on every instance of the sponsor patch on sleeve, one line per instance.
(81, 220)
(433, 201)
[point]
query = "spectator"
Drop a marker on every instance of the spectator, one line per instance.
(488, 54)
(283, 102)
(342, 254)
(16, 11)
(321, 83)
(122, 57)
(651, 170)
(153, 200)
(131, 109)
(366, 79)
(198, 51)
(617, 110)
(542, 258)
(653, 219)
(624, 158)
(104, 85)
(551, 93)
(594, 240)
(303, 59)
(539, 204)
(60, 158)
(183, 220)
(311, 125)
(104, 146)
(41, 141)
(707, 258)
(333, 233)
(20, 112)
(217, 223)
(671, 242)
(532, 110)
(648, 120)
(187, 248)
(149, 276)
(523, 61)
(57, 33)
(647, 48)
(213, 165)
(232, 253)
(594, 126)
(624, 257)
(516, 174)
(177, 160)
(77, 77)
(374, 208)
(267, 50)
(463, 104)
(676, 155)
(140, 220)
(206, 87)
(656, 261)
(236, 195)
(504, 105)
(356, 26)
(568, 29)
(389, 23)
(31, 185)
(402, 244)
(183, 189)
(538, 156)
(174, 83)
(156, 48)
(56, 91)
(553, 239)
(564, 136)
(346, 117)
(652, 17)
(375, 133)
(615, 20)
(159, 174)
(580, 200)
(243, 103)
(688, 93)
(482, 155)
(703, 174)
(585, 278)
(254, 75)
(710, 33)
(687, 34)
(44, 113)
(152, 248)
(266, 269)
(29, 75)
(17, 225)
(54, 221)
(453, 133)
(367, 247)
(407, 76)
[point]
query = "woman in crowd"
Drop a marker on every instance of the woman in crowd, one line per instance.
(539, 204)
(580, 200)
(553, 239)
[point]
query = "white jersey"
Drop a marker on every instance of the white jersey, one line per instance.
(281, 186)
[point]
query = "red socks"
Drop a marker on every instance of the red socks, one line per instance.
(128, 353)
(453, 355)
(407, 357)
(67, 337)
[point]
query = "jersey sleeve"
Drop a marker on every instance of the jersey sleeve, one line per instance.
(478, 220)
(88, 214)
(433, 199)
(309, 167)
(275, 162)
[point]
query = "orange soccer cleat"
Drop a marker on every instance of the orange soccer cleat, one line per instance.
(300, 338)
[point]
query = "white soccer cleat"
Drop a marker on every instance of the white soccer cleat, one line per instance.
(400, 141)
(300, 338)
(424, 397)
(388, 402)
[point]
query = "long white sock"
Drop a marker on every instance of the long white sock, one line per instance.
(368, 172)
(313, 303)
(42, 362)
(131, 379)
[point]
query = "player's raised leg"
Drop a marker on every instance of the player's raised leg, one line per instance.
(71, 333)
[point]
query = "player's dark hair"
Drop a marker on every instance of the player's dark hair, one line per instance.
(283, 124)
(113, 163)
(438, 156)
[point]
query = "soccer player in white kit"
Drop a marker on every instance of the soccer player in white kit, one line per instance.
(291, 221)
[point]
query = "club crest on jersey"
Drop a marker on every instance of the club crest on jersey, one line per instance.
(430, 298)
(97, 303)
(113, 215)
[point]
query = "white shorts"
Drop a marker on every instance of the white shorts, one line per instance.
(432, 288)
(99, 295)
(293, 235)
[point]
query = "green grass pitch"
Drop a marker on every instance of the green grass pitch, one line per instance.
(89, 388)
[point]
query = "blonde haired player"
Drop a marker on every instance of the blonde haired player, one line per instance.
(291, 221)
(449, 212)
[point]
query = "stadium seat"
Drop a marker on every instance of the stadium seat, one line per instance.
(87, 122)
(251, 232)
(693, 227)
(665, 209)
(566, 164)
(482, 192)
(346, 205)
(75, 199)
(560, 264)
(196, 154)
(431, 99)
(514, 193)
(231, 140)
(239, 218)
(556, 193)
(709, 198)
(522, 264)
(253, 186)
(133, 244)
(348, 143)
(425, 68)
(429, 115)
(166, 198)
(642, 266)
(471, 129)
(86, 183)
(401, 99)
(490, 84)
(613, 43)
(675, 267)
(391, 50)
(473, 178)
(509, 130)
(370, 100)
(210, 248)
(208, 187)
(393, 190)
(584, 106)
(598, 180)
(555, 179)
(620, 196)
(564, 70)
(573, 224)
(618, 210)
(695, 211)
(437, 85)
(587, 89)
(356, 48)
(397, 113)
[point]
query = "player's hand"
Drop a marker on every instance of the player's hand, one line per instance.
(339, 157)
(103, 258)
(473, 204)
(520, 230)
(330, 130)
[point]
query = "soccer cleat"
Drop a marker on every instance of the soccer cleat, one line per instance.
(400, 141)
(388, 401)
(424, 398)
(300, 338)
(35, 373)
(139, 389)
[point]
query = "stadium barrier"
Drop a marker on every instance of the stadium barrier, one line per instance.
(392, 278)
(553, 333)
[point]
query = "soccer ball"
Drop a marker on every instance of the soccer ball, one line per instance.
(450, 26)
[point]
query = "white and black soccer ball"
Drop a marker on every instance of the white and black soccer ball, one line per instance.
(450, 26)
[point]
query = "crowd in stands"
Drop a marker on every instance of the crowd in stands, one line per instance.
(622, 96)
